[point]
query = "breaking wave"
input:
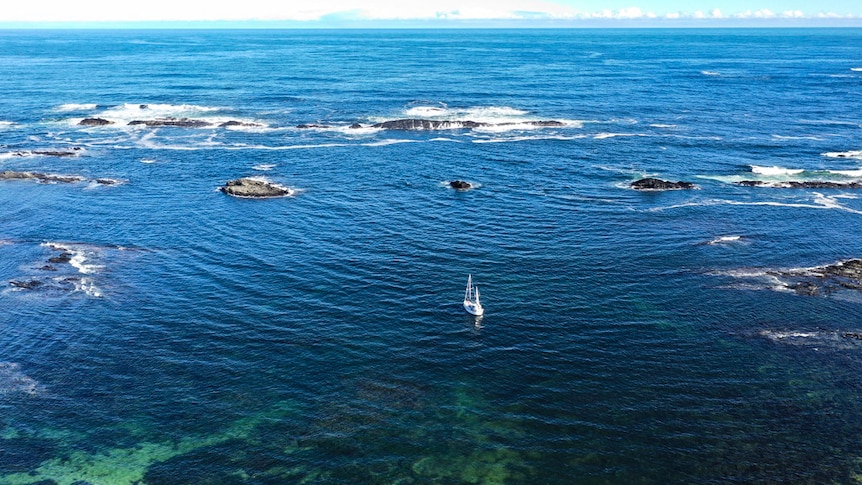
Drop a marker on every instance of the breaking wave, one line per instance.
(76, 107)
(773, 171)
(847, 154)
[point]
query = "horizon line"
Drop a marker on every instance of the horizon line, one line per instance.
(645, 23)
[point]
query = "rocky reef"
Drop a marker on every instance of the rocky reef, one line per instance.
(50, 178)
(49, 153)
(821, 280)
(807, 184)
(95, 122)
(188, 123)
(413, 124)
(460, 185)
(40, 177)
(254, 188)
(651, 183)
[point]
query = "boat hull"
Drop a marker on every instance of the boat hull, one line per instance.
(473, 309)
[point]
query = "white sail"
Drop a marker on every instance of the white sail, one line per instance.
(471, 298)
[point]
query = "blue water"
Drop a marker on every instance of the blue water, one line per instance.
(628, 337)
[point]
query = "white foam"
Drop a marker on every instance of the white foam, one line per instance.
(148, 160)
(79, 256)
(528, 138)
(264, 167)
(426, 111)
(774, 170)
(662, 125)
(848, 173)
(480, 114)
(123, 114)
(847, 154)
(783, 137)
(856, 69)
(785, 335)
(710, 73)
(820, 201)
(383, 143)
(76, 107)
(502, 128)
(6, 124)
(725, 239)
(603, 136)
(88, 287)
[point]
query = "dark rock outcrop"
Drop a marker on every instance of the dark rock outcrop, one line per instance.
(808, 184)
(95, 122)
(27, 285)
(460, 185)
(64, 257)
(228, 124)
(355, 126)
(53, 178)
(41, 177)
(254, 188)
(179, 122)
(822, 280)
(306, 126)
(651, 183)
(48, 153)
(412, 124)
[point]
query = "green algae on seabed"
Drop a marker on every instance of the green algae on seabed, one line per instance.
(487, 460)
(120, 466)
(486, 467)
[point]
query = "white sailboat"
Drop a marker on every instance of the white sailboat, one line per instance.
(471, 299)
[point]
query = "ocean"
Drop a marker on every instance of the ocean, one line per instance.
(155, 330)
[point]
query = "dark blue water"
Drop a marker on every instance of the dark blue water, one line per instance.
(168, 333)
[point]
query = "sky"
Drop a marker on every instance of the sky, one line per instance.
(429, 13)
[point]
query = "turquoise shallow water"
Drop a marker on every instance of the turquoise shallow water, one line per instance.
(629, 337)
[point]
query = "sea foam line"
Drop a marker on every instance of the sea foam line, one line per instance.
(820, 202)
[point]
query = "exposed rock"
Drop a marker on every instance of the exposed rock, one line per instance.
(305, 126)
(249, 187)
(853, 335)
(650, 183)
(230, 123)
(413, 124)
(106, 181)
(822, 280)
(460, 185)
(180, 122)
(41, 177)
(47, 153)
(27, 285)
(95, 122)
(806, 288)
(808, 184)
(48, 267)
(418, 124)
(355, 126)
(65, 257)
